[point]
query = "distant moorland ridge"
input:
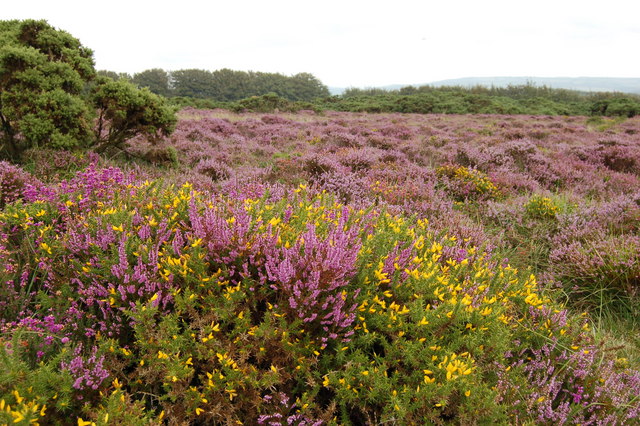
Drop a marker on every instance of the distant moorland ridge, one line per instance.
(585, 84)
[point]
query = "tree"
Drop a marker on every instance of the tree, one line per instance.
(193, 83)
(42, 75)
(125, 111)
(50, 97)
(616, 106)
(114, 75)
(306, 87)
(230, 85)
(156, 79)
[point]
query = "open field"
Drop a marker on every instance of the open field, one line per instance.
(335, 268)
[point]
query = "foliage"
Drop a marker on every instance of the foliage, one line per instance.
(617, 106)
(125, 112)
(522, 99)
(12, 182)
(227, 85)
(465, 183)
(327, 269)
(156, 80)
(114, 75)
(541, 207)
(269, 102)
(42, 76)
(294, 305)
(192, 83)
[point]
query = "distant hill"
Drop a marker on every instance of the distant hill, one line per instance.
(583, 84)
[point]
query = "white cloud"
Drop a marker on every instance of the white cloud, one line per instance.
(354, 42)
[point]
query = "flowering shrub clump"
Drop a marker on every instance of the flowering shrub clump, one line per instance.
(552, 394)
(467, 183)
(139, 302)
(20, 410)
(601, 272)
(326, 269)
(541, 207)
(12, 182)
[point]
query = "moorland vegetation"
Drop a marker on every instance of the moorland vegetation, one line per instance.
(316, 267)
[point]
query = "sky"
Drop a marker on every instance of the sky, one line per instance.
(353, 43)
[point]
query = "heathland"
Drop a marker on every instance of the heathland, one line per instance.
(232, 266)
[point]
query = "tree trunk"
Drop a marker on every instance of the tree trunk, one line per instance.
(8, 139)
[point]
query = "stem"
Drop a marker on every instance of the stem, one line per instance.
(98, 131)
(9, 143)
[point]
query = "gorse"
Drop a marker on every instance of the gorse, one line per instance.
(50, 96)
(136, 300)
(313, 268)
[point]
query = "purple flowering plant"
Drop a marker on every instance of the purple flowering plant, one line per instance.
(326, 269)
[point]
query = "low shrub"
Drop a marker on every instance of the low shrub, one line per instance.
(466, 183)
(134, 302)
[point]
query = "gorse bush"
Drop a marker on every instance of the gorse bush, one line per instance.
(50, 96)
(173, 303)
(541, 207)
(467, 183)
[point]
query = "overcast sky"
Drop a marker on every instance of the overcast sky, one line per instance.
(355, 43)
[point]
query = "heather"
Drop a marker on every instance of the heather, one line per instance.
(337, 268)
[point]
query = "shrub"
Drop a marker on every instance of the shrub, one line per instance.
(213, 169)
(601, 272)
(12, 181)
(45, 75)
(465, 183)
(180, 304)
(540, 207)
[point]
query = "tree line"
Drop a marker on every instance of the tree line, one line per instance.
(512, 99)
(225, 85)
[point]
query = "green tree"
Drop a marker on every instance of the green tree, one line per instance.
(193, 83)
(42, 75)
(230, 85)
(124, 111)
(50, 97)
(616, 106)
(156, 79)
(114, 75)
(306, 87)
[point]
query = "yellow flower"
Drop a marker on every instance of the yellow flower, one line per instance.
(232, 393)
